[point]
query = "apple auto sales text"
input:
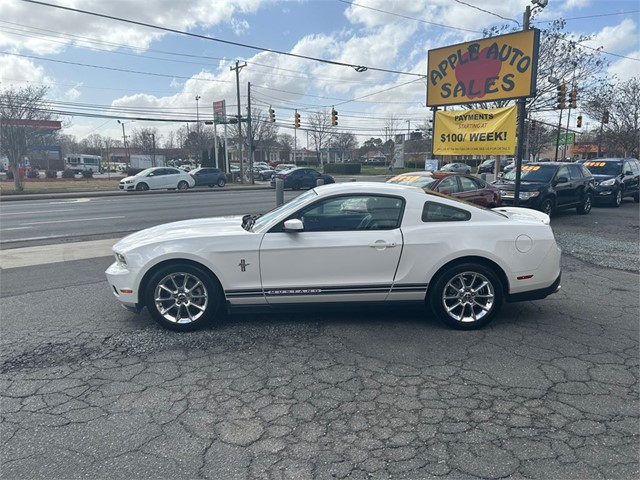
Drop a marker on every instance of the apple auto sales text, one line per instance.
(491, 84)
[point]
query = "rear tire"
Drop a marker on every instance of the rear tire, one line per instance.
(585, 206)
(182, 297)
(182, 185)
(221, 182)
(142, 187)
(466, 296)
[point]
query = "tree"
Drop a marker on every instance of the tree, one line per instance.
(320, 130)
(145, 139)
(622, 102)
(343, 141)
(25, 104)
(92, 144)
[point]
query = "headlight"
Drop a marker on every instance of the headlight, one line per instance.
(528, 195)
(608, 183)
(129, 181)
(120, 259)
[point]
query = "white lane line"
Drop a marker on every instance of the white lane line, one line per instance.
(73, 220)
(37, 212)
(63, 252)
(15, 228)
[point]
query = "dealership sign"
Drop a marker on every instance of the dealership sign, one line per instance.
(494, 68)
(475, 132)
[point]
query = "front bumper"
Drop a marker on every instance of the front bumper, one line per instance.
(123, 286)
(127, 186)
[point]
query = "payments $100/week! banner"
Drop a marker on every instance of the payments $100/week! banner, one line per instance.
(475, 132)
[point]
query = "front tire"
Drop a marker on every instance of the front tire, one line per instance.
(221, 182)
(547, 206)
(616, 201)
(142, 187)
(466, 296)
(182, 297)
(585, 206)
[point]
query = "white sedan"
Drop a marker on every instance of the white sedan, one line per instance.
(158, 178)
(400, 245)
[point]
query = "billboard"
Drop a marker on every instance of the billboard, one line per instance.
(219, 111)
(493, 68)
(475, 132)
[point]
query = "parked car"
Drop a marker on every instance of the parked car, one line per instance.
(550, 186)
(615, 178)
(158, 178)
(456, 167)
(461, 260)
(510, 166)
(284, 166)
(458, 185)
(209, 176)
(488, 166)
(300, 177)
(263, 173)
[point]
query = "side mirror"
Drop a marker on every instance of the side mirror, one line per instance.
(562, 180)
(293, 225)
(628, 172)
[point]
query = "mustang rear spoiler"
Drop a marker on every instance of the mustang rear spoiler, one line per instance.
(523, 213)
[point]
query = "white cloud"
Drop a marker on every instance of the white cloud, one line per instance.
(617, 38)
(626, 68)
(19, 71)
(73, 93)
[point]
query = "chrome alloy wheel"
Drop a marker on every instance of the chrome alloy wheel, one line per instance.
(181, 297)
(468, 297)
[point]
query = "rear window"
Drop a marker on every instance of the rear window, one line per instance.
(534, 173)
(437, 212)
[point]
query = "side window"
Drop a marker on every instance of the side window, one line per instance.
(437, 212)
(562, 172)
(626, 167)
(448, 185)
(353, 213)
(469, 184)
(635, 166)
(575, 171)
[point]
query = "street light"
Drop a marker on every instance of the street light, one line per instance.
(124, 140)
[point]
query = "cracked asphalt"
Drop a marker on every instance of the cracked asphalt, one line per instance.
(549, 390)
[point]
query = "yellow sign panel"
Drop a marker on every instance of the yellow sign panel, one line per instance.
(475, 132)
(494, 68)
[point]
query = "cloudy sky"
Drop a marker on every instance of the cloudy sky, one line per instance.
(101, 69)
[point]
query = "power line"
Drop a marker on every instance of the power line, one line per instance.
(358, 68)
(487, 11)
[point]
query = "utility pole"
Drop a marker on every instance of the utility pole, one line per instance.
(250, 133)
(237, 69)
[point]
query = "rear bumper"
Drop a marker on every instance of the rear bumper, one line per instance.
(536, 294)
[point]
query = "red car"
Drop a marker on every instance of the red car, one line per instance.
(458, 185)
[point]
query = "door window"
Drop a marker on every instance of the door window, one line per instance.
(469, 184)
(448, 185)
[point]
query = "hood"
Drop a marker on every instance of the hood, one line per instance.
(601, 177)
(128, 178)
(511, 186)
(524, 214)
(185, 229)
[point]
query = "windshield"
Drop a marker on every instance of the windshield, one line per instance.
(414, 180)
(264, 220)
(533, 173)
(144, 173)
(604, 168)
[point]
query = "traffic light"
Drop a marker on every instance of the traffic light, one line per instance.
(296, 120)
(573, 97)
(562, 94)
(579, 121)
(605, 116)
(272, 115)
(334, 117)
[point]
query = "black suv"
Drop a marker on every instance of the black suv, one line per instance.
(550, 186)
(616, 178)
(487, 166)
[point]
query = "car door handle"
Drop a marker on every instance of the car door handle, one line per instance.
(381, 244)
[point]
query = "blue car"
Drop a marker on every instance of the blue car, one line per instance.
(209, 176)
(301, 177)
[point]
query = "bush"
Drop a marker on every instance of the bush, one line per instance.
(51, 174)
(87, 174)
(68, 173)
(343, 168)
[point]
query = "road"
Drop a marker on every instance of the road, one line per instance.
(548, 390)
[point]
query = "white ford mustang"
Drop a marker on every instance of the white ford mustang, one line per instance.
(336, 244)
